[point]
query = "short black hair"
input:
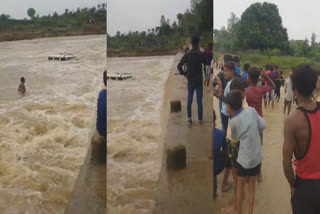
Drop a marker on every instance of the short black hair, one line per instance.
(246, 67)
(267, 67)
(304, 78)
(234, 99)
(238, 84)
(105, 77)
(254, 74)
(22, 79)
(271, 68)
(195, 39)
(230, 66)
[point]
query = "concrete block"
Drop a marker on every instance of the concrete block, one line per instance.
(176, 106)
(177, 157)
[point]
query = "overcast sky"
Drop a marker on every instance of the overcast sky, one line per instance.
(139, 15)
(301, 18)
(18, 8)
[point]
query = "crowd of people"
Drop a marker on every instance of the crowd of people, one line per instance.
(237, 147)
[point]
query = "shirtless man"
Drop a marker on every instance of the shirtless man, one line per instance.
(22, 87)
(302, 139)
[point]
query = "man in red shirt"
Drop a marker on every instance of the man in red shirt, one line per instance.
(255, 93)
(302, 139)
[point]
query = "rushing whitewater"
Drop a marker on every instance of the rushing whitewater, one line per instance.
(44, 136)
(134, 133)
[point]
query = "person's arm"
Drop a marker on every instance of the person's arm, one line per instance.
(288, 148)
(19, 89)
(261, 122)
(269, 80)
(181, 63)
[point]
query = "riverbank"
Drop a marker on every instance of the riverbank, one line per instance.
(141, 53)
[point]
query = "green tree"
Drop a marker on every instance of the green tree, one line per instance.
(4, 17)
(261, 28)
(31, 13)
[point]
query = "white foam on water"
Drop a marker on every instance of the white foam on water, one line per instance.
(45, 135)
(133, 142)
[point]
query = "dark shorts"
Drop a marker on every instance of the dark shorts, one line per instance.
(227, 163)
(242, 172)
(306, 199)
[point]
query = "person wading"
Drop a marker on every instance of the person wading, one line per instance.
(194, 60)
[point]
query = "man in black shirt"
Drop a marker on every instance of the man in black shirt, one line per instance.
(194, 60)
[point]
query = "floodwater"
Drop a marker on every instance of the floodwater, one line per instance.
(44, 136)
(134, 147)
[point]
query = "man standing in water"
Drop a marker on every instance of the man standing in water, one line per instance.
(194, 60)
(22, 87)
(302, 139)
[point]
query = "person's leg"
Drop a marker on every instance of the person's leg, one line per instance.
(289, 107)
(190, 98)
(225, 182)
(266, 100)
(235, 182)
(272, 98)
(215, 186)
(240, 192)
(285, 106)
(224, 121)
(199, 92)
(252, 192)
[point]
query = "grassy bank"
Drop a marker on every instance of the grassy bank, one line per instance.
(285, 63)
(71, 23)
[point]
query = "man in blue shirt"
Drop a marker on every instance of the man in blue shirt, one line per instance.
(101, 124)
(238, 70)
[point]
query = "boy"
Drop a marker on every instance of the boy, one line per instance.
(245, 71)
(288, 97)
(245, 127)
(22, 87)
(255, 93)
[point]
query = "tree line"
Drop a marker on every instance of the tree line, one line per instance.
(70, 22)
(260, 28)
(198, 19)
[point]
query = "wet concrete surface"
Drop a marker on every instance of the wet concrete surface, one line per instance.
(189, 190)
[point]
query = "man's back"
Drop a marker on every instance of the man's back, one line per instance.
(194, 60)
(304, 123)
(101, 124)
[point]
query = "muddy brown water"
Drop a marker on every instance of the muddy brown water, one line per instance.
(45, 136)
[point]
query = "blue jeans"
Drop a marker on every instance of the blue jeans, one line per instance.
(199, 92)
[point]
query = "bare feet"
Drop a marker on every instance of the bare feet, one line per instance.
(229, 210)
(226, 187)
